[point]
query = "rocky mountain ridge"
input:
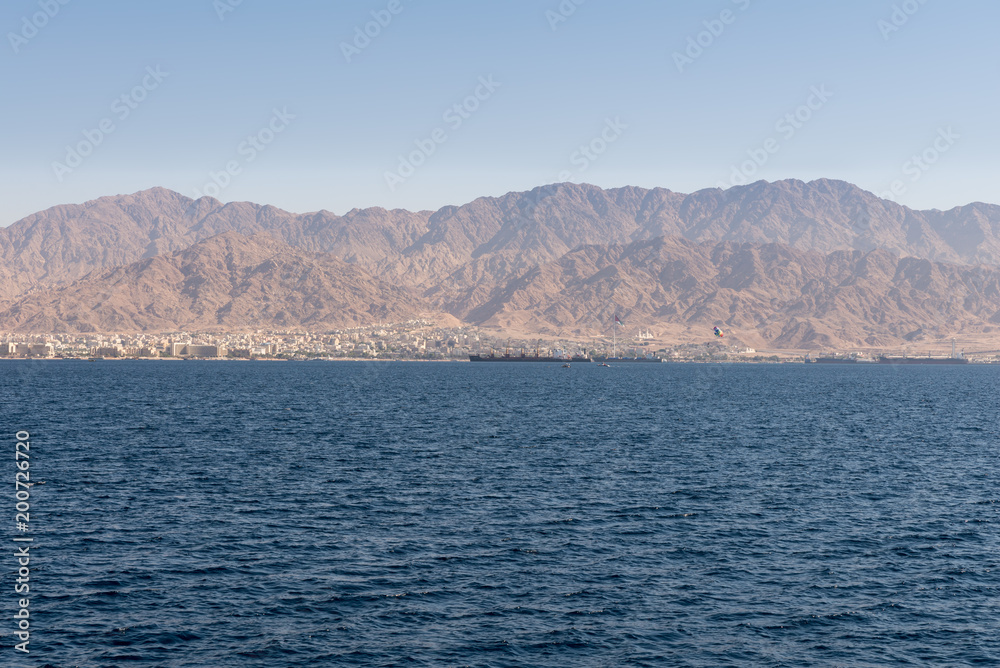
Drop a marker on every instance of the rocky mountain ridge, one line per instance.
(226, 282)
(789, 262)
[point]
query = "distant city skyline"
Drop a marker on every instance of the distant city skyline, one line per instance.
(401, 104)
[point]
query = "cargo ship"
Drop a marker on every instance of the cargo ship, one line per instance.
(838, 359)
(884, 359)
(507, 357)
(956, 358)
(922, 360)
(630, 360)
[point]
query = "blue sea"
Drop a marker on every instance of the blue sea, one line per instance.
(450, 514)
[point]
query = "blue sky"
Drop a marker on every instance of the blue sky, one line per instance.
(270, 92)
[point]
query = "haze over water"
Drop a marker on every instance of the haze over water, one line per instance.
(295, 514)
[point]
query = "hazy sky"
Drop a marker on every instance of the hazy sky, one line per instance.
(307, 112)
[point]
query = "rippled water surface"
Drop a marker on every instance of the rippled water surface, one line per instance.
(394, 514)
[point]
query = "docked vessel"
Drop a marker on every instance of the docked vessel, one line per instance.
(922, 360)
(559, 356)
(507, 357)
(652, 359)
(956, 358)
(885, 359)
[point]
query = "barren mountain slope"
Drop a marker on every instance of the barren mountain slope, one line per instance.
(227, 282)
(489, 240)
(786, 297)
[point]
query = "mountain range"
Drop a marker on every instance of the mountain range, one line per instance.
(786, 264)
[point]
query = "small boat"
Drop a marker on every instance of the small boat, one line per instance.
(604, 364)
(566, 365)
